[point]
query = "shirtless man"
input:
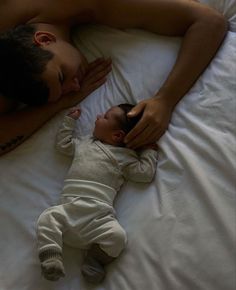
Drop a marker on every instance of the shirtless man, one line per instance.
(202, 28)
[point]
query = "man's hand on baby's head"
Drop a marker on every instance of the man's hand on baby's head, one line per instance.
(74, 113)
(152, 146)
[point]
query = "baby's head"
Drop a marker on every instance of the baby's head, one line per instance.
(112, 127)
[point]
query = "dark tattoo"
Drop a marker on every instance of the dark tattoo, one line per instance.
(11, 143)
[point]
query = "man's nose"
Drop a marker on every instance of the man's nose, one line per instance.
(71, 86)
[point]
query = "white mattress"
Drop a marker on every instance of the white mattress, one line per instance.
(181, 227)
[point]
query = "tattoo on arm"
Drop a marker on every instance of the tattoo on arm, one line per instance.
(11, 143)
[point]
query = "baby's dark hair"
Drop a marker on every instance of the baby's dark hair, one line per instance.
(22, 64)
(126, 123)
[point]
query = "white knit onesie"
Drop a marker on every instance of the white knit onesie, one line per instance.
(86, 215)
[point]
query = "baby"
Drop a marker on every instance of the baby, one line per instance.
(85, 218)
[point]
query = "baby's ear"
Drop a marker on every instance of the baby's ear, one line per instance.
(118, 136)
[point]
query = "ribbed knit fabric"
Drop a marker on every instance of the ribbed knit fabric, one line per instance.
(49, 254)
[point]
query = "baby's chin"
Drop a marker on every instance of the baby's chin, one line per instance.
(95, 136)
(101, 139)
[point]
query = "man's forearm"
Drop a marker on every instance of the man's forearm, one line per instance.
(16, 127)
(200, 44)
(201, 27)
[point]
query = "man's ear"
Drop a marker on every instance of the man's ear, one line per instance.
(118, 136)
(44, 38)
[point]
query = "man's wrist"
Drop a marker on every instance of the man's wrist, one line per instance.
(168, 100)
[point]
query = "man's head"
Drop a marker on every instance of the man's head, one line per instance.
(112, 127)
(38, 66)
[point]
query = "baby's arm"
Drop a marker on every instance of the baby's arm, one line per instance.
(143, 168)
(64, 140)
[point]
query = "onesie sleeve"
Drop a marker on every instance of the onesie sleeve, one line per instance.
(65, 143)
(142, 169)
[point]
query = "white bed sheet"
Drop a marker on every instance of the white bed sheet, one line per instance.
(181, 228)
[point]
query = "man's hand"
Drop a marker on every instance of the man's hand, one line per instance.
(96, 76)
(93, 79)
(153, 124)
(152, 146)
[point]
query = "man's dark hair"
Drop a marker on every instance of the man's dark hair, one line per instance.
(126, 123)
(21, 64)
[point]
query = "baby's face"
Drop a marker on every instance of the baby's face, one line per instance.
(106, 124)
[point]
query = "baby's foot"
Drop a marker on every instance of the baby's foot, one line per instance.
(92, 270)
(52, 269)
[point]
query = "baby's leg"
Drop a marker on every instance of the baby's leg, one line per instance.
(106, 237)
(93, 266)
(110, 243)
(52, 268)
(49, 230)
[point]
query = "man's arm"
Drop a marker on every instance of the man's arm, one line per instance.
(16, 127)
(203, 30)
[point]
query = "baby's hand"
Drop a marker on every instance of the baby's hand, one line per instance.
(74, 113)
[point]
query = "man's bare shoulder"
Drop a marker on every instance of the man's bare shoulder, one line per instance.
(14, 12)
(64, 12)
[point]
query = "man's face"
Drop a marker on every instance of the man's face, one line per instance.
(65, 71)
(106, 124)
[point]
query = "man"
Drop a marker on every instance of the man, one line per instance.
(202, 28)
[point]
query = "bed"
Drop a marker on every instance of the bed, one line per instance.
(181, 227)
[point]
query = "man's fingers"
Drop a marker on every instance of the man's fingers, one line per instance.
(98, 83)
(139, 139)
(99, 75)
(148, 136)
(93, 86)
(136, 110)
(96, 79)
(141, 125)
(99, 66)
(96, 62)
(136, 131)
(92, 78)
(96, 76)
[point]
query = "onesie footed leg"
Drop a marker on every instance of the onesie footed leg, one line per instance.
(52, 269)
(52, 266)
(93, 267)
(92, 270)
